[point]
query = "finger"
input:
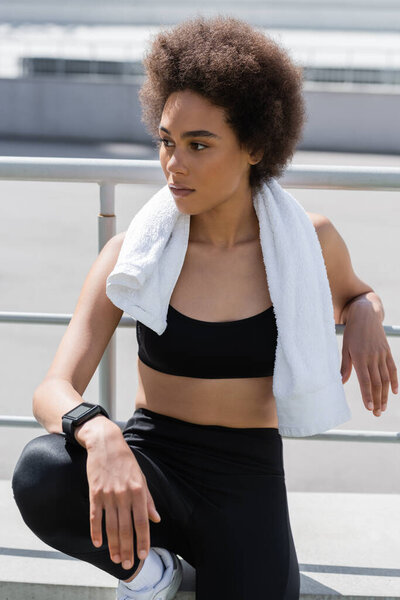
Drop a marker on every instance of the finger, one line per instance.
(151, 507)
(112, 532)
(385, 379)
(141, 519)
(376, 386)
(364, 380)
(392, 372)
(126, 536)
(95, 518)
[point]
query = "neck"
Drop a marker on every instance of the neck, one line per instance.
(227, 225)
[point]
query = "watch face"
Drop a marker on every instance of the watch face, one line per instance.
(80, 410)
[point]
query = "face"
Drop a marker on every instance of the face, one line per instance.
(200, 152)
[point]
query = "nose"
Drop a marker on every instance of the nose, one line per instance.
(176, 163)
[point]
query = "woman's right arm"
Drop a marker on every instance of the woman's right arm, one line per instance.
(116, 482)
(91, 327)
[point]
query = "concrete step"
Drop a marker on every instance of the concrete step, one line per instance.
(347, 544)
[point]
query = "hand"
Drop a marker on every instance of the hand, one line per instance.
(365, 345)
(117, 485)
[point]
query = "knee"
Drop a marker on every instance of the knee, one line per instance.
(39, 473)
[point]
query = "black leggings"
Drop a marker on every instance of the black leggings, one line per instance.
(220, 492)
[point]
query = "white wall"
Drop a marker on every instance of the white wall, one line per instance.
(354, 118)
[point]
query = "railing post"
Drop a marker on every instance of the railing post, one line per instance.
(107, 366)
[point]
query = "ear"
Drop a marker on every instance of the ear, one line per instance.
(255, 156)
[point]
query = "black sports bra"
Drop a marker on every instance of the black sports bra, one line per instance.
(211, 350)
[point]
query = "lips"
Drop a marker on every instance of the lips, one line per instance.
(180, 192)
(174, 186)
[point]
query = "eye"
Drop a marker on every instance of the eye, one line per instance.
(198, 144)
(163, 142)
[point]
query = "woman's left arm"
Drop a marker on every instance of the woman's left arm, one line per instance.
(358, 307)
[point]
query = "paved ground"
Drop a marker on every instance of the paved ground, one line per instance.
(48, 235)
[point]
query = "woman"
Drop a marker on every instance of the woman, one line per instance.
(203, 447)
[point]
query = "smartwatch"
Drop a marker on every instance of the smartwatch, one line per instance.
(78, 415)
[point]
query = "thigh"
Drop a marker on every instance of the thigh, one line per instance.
(174, 499)
(51, 491)
(244, 544)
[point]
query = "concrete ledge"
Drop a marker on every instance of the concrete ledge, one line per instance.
(46, 591)
(348, 546)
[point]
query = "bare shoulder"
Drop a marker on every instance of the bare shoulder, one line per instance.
(325, 231)
(109, 254)
(117, 240)
(319, 221)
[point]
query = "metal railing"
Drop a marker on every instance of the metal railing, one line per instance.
(109, 172)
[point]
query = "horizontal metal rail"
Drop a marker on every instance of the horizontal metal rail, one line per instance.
(336, 435)
(357, 435)
(98, 170)
(126, 321)
(109, 172)
(13, 421)
(50, 318)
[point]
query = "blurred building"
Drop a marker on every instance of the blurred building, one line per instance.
(372, 15)
(73, 71)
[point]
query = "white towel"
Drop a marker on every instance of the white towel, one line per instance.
(307, 384)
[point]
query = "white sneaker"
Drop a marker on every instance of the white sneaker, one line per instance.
(166, 589)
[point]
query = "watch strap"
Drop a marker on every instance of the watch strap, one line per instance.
(69, 422)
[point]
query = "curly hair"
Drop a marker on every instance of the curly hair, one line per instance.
(235, 67)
